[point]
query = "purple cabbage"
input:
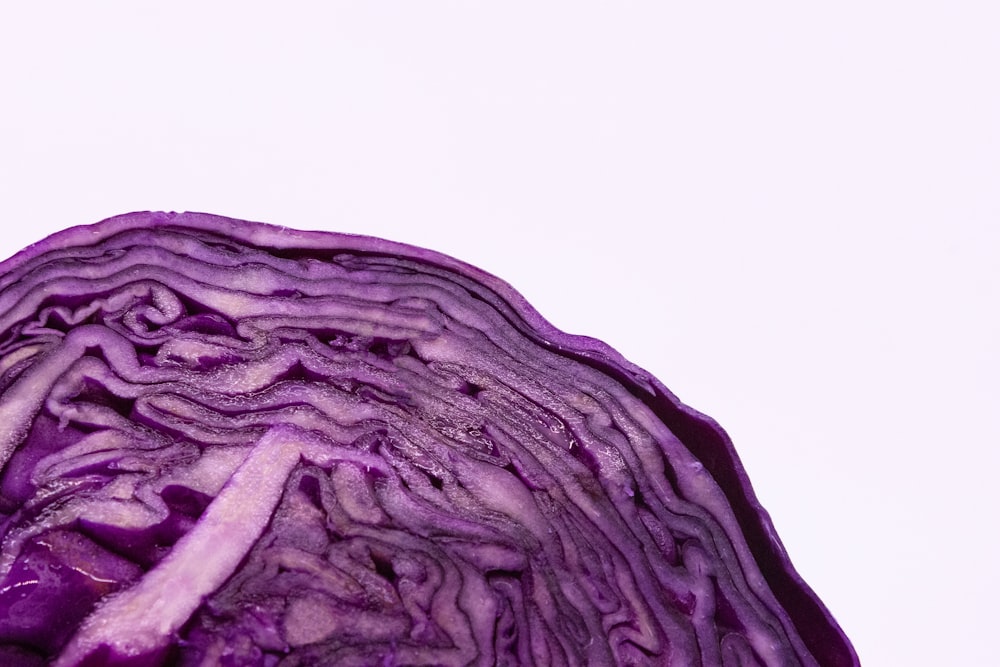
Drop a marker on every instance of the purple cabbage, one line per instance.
(228, 443)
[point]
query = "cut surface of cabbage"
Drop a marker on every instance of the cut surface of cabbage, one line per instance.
(229, 443)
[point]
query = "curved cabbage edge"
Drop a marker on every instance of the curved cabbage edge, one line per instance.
(493, 490)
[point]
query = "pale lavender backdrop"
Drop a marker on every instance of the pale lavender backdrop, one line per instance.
(788, 213)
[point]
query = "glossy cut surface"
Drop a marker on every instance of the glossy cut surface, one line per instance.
(225, 442)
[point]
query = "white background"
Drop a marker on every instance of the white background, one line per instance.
(789, 214)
